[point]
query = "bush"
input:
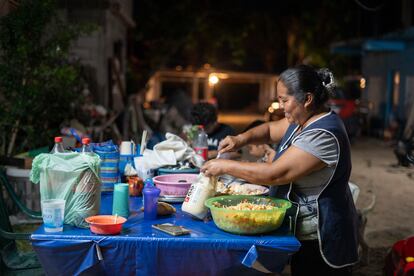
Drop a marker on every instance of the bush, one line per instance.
(39, 85)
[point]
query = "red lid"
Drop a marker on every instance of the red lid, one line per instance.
(86, 141)
(58, 139)
(201, 126)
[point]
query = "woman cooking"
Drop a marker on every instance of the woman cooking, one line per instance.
(314, 158)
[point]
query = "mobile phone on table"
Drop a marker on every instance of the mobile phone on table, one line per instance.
(171, 229)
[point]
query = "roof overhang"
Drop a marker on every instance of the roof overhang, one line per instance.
(382, 45)
(359, 47)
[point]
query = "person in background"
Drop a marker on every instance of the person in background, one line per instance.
(206, 114)
(265, 152)
(314, 159)
(174, 111)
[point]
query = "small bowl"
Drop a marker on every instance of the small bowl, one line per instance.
(162, 171)
(105, 224)
(174, 184)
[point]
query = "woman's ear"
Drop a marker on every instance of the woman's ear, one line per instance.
(308, 99)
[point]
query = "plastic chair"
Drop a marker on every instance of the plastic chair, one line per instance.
(354, 191)
(12, 261)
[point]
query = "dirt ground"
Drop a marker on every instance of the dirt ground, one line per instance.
(375, 172)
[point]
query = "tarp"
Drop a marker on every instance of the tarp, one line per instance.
(142, 250)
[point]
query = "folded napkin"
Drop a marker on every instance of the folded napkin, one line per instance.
(168, 153)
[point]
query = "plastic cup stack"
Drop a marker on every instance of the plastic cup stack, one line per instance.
(120, 205)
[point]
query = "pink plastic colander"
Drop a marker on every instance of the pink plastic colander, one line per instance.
(174, 184)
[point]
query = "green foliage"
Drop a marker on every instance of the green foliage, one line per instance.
(187, 33)
(239, 35)
(39, 86)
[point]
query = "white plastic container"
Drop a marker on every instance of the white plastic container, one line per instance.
(127, 148)
(53, 213)
(201, 189)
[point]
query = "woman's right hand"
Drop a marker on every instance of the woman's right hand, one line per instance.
(230, 143)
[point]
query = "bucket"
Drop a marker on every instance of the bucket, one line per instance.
(28, 192)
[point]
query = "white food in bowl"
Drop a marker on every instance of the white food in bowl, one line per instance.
(241, 189)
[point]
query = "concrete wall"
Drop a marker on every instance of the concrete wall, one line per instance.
(95, 50)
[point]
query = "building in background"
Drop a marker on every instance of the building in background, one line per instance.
(231, 91)
(104, 52)
(387, 67)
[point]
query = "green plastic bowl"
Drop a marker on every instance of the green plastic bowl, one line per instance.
(247, 222)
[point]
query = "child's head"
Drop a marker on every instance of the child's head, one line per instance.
(204, 114)
(257, 150)
(264, 151)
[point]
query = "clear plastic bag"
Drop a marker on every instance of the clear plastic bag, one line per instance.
(73, 177)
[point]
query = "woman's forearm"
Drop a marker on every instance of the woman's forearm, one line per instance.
(257, 135)
(271, 132)
(257, 173)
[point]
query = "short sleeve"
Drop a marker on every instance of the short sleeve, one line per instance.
(320, 144)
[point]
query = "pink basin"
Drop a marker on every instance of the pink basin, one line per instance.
(174, 184)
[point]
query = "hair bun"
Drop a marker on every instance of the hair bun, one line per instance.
(327, 78)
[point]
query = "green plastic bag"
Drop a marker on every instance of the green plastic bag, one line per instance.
(73, 177)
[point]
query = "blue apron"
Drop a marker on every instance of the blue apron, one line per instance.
(337, 216)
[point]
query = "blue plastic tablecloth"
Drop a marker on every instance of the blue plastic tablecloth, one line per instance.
(142, 250)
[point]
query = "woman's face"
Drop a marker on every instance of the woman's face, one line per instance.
(295, 112)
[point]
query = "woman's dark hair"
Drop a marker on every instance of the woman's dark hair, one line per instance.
(203, 114)
(305, 79)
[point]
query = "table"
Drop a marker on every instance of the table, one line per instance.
(142, 250)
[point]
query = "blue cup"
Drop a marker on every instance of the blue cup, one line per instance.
(120, 205)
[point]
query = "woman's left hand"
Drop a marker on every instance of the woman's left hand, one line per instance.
(214, 167)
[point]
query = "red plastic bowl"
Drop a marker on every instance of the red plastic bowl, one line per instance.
(174, 184)
(105, 224)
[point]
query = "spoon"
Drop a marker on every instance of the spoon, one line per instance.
(116, 218)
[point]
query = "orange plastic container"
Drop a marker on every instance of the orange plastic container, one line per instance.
(106, 224)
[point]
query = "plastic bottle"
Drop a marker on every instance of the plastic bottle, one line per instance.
(86, 148)
(200, 143)
(201, 190)
(150, 197)
(58, 147)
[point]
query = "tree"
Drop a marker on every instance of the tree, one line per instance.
(244, 35)
(39, 85)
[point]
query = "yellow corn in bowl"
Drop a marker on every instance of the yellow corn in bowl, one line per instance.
(247, 215)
